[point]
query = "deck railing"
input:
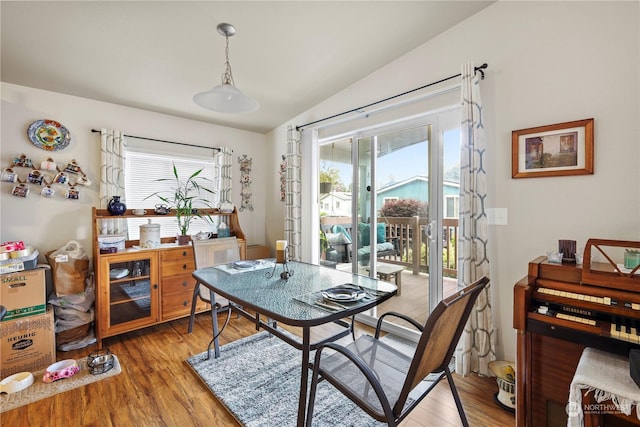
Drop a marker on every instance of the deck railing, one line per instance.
(411, 233)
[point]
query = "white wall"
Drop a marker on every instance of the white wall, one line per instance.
(48, 224)
(549, 62)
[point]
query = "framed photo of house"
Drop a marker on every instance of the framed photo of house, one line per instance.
(553, 150)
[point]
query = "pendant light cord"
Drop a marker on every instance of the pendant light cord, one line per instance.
(227, 76)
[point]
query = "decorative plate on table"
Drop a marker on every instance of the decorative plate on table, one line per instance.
(343, 294)
(48, 135)
(245, 264)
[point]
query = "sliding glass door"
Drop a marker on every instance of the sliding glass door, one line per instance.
(384, 213)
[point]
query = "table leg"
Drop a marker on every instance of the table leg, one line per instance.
(304, 375)
(399, 281)
(214, 328)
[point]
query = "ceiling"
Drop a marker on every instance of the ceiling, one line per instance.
(156, 55)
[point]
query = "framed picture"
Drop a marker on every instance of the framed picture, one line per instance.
(553, 150)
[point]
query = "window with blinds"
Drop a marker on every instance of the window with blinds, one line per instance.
(143, 169)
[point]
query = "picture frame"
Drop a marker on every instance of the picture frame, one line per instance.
(554, 150)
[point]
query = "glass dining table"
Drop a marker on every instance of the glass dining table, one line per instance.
(311, 296)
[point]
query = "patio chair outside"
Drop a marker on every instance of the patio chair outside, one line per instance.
(379, 378)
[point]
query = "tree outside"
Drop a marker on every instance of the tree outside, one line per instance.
(405, 208)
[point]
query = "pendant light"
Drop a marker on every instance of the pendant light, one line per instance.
(226, 98)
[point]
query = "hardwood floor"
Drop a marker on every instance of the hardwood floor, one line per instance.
(157, 388)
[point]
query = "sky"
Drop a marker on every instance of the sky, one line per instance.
(408, 162)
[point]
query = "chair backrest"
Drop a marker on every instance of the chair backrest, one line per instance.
(212, 252)
(440, 337)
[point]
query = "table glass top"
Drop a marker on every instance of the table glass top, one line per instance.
(284, 299)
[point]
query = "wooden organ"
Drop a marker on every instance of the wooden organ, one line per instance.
(559, 309)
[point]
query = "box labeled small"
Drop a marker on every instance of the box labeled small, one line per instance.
(23, 293)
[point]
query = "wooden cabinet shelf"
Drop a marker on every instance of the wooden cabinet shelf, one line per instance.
(128, 279)
(152, 285)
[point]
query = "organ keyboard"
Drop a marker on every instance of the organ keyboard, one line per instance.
(559, 309)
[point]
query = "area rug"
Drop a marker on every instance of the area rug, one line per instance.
(258, 379)
(40, 390)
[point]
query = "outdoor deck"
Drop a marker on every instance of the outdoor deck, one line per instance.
(414, 299)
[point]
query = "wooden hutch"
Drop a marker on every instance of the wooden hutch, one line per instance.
(137, 288)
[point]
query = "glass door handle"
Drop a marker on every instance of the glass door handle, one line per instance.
(430, 227)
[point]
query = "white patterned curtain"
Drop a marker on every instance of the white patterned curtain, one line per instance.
(477, 344)
(293, 196)
(225, 185)
(112, 156)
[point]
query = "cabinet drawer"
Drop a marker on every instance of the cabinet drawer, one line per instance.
(182, 253)
(178, 305)
(178, 284)
(177, 294)
(172, 268)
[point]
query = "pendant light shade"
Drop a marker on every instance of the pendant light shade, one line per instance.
(226, 97)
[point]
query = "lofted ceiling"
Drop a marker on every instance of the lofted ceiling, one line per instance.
(156, 55)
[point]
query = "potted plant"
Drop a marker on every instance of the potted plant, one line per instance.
(324, 244)
(328, 176)
(182, 198)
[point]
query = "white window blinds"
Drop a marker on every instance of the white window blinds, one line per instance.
(142, 171)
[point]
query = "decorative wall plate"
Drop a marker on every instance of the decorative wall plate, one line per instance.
(48, 135)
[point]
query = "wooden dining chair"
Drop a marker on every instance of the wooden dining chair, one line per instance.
(383, 380)
(210, 253)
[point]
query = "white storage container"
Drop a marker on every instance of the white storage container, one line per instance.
(150, 235)
(111, 241)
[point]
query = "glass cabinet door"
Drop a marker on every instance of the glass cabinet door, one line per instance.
(132, 291)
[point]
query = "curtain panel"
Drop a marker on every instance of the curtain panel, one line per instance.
(477, 344)
(226, 172)
(293, 194)
(112, 156)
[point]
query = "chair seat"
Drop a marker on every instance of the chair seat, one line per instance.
(389, 365)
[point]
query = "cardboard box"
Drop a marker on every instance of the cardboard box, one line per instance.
(28, 344)
(23, 293)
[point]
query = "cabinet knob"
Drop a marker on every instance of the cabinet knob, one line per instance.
(155, 286)
(184, 266)
(185, 303)
(184, 253)
(184, 283)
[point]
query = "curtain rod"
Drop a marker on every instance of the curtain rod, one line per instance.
(217, 149)
(480, 69)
